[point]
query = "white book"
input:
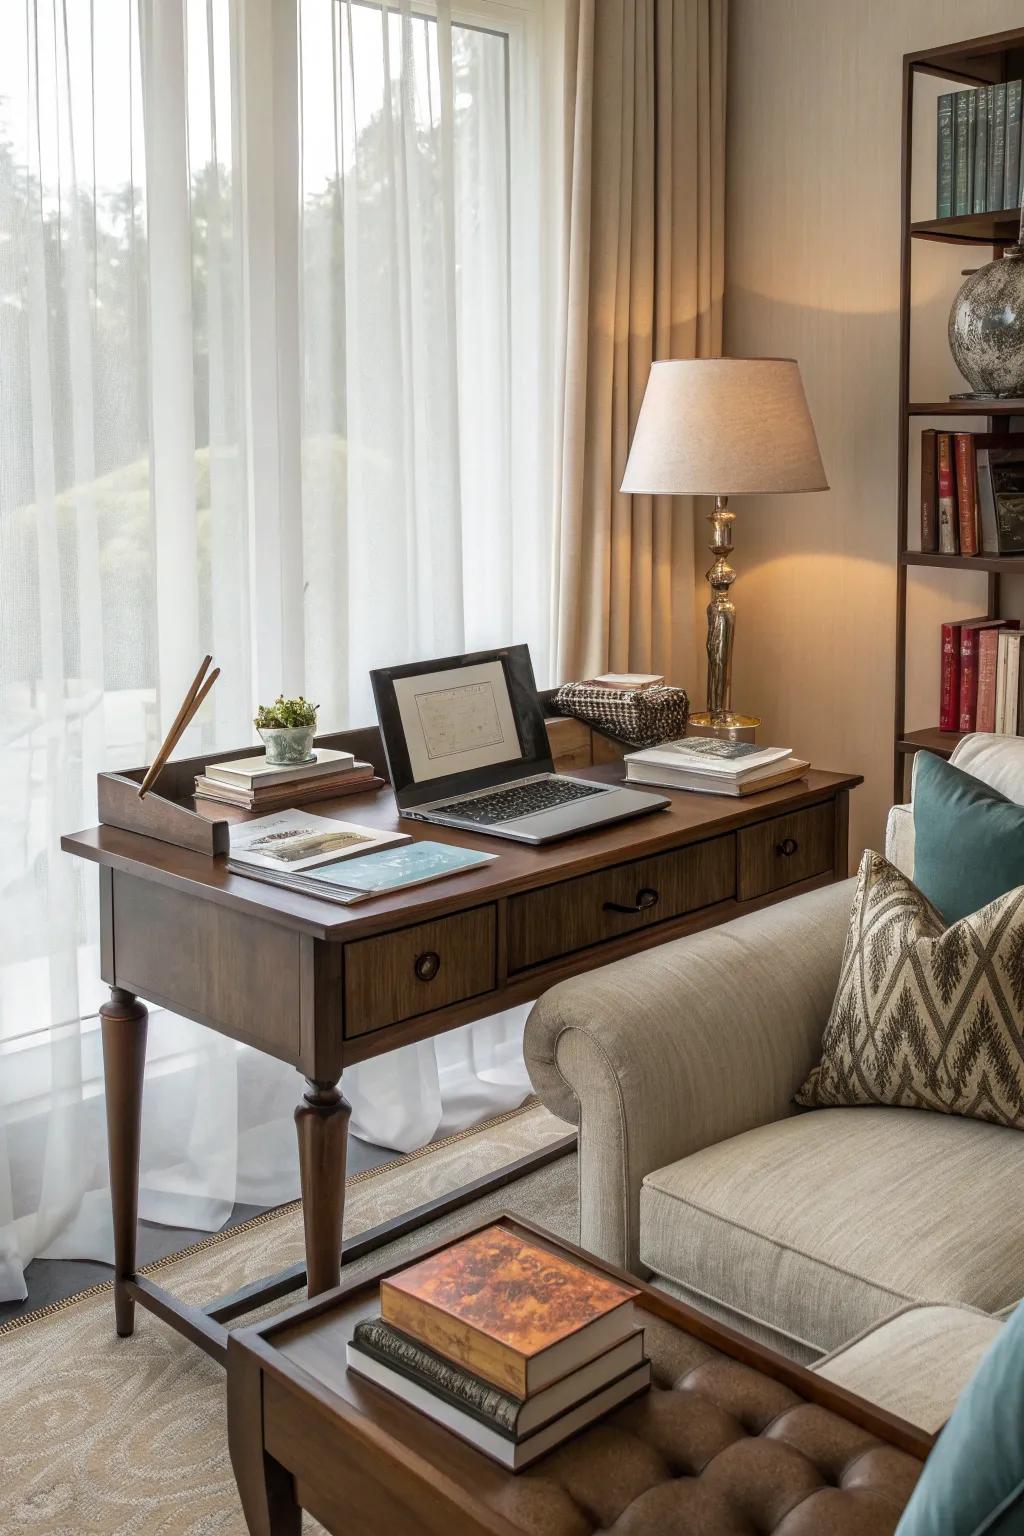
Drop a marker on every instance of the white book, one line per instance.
(1001, 655)
(293, 840)
(775, 775)
(245, 772)
(727, 760)
(628, 680)
(513, 1454)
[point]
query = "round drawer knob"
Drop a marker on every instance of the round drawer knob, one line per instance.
(788, 847)
(427, 965)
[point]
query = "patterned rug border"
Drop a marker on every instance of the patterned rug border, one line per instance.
(276, 1213)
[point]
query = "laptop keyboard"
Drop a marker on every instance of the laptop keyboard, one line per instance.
(518, 800)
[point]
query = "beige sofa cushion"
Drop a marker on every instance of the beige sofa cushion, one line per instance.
(825, 1223)
(916, 1363)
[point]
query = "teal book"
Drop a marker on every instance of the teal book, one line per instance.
(982, 145)
(944, 158)
(997, 135)
(1011, 179)
(972, 134)
(962, 165)
(393, 869)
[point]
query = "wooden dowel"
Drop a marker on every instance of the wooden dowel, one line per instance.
(189, 704)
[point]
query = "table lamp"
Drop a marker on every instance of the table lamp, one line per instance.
(728, 426)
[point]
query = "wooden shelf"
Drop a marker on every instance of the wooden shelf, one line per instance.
(941, 743)
(966, 408)
(997, 228)
(1007, 564)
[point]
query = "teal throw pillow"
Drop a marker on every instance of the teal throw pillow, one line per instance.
(973, 1481)
(968, 839)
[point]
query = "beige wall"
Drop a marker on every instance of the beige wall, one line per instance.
(812, 272)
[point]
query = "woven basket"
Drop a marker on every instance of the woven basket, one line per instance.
(641, 717)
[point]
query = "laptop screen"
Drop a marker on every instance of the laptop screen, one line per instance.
(460, 723)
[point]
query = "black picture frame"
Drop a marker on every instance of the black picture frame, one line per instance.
(526, 709)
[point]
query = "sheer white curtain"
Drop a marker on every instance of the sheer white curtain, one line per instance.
(274, 383)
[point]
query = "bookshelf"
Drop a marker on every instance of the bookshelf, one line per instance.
(975, 61)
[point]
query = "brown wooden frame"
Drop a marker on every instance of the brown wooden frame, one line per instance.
(291, 975)
(975, 61)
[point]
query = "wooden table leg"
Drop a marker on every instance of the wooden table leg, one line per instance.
(321, 1121)
(124, 1026)
(266, 1490)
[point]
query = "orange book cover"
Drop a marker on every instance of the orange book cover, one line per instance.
(507, 1309)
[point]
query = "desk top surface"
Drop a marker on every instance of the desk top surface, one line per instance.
(690, 817)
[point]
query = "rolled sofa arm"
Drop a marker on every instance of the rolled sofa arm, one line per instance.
(682, 1046)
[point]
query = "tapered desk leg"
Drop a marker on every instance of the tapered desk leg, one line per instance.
(124, 1026)
(321, 1121)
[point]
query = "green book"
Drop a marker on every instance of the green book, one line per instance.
(944, 158)
(997, 135)
(962, 165)
(1012, 177)
(982, 145)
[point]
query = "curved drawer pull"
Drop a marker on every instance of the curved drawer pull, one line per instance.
(787, 847)
(427, 965)
(645, 899)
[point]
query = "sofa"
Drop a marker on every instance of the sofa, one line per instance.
(841, 1237)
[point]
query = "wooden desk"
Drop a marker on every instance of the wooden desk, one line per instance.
(323, 986)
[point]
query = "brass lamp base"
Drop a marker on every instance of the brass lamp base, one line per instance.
(719, 716)
(728, 720)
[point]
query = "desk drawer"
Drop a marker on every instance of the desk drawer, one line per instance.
(416, 970)
(574, 914)
(777, 853)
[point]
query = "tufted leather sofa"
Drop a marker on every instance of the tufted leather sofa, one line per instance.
(715, 1449)
(805, 1231)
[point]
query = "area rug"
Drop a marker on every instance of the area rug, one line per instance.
(101, 1436)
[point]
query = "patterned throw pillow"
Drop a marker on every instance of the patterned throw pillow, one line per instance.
(925, 1016)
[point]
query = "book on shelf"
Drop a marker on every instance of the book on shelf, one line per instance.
(512, 1312)
(966, 492)
(359, 878)
(944, 158)
(275, 797)
(970, 630)
(988, 675)
(929, 492)
(949, 542)
(256, 773)
(949, 677)
(982, 151)
(1011, 177)
(962, 165)
(296, 840)
(997, 152)
(1008, 715)
(463, 1402)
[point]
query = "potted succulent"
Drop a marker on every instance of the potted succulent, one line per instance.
(287, 728)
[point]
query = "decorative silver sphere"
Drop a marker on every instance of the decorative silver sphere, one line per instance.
(986, 326)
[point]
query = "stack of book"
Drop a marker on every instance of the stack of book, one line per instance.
(255, 785)
(972, 493)
(508, 1344)
(714, 766)
(973, 694)
(979, 162)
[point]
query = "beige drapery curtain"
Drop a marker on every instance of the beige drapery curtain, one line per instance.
(645, 148)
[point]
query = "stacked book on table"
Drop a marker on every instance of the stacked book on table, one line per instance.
(714, 766)
(508, 1344)
(256, 785)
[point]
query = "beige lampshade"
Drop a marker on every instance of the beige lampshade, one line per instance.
(729, 426)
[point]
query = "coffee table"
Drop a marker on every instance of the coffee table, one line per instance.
(732, 1437)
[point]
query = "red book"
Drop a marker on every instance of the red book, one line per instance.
(970, 632)
(949, 542)
(949, 686)
(967, 491)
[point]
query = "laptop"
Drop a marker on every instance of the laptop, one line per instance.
(467, 747)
